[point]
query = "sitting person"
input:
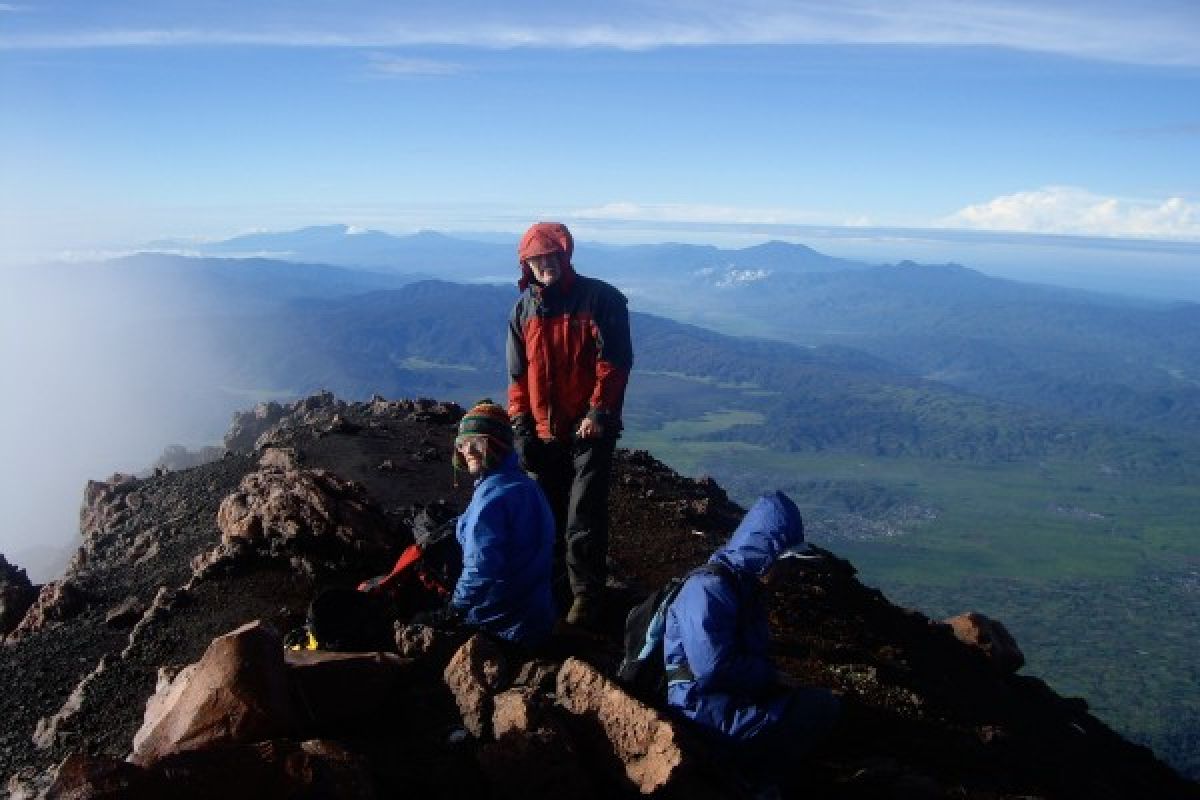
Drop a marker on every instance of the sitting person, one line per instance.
(719, 673)
(507, 537)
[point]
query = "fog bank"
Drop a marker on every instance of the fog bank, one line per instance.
(95, 381)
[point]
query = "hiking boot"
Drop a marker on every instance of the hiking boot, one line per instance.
(585, 612)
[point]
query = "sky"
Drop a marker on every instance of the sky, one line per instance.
(123, 122)
(851, 126)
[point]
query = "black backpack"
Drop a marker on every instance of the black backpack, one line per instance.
(343, 619)
(643, 669)
(441, 555)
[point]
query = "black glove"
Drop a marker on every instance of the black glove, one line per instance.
(526, 442)
(523, 425)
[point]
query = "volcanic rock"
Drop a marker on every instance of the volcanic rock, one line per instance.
(282, 457)
(303, 511)
(237, 692)
(316, 769)
(341, 692)
(645, 741)
(17, 594)
(247, 426)
(532, 755)
(45, 734)
(474, 674)
(425, 642)
(990, 637)
(86, 777)
(126, 614)
(105, 504)
(57, 602)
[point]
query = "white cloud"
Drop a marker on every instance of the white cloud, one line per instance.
(1116, 30)
(398, 66)
(1071, 210)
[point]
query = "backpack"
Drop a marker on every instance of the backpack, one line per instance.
(429, 566)
(343, 619)
(643, 669)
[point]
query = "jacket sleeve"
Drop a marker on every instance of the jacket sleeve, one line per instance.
(614, 355)
(518, 366)
(483, 554)
(707, 613)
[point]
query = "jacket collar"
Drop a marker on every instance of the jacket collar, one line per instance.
(564, 282)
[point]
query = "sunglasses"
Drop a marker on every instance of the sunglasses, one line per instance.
(471, 444)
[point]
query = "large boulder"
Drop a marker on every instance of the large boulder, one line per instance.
(475, 673)
(247, 426)
(303, 511)
(106, 503)
(236, 693)
(16, 596)
(991, 638)
(89, 777)
(57, 602)
(533, 756)
(644, 741)
(351, 692)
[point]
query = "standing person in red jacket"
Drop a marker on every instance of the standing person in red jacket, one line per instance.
(569, 356)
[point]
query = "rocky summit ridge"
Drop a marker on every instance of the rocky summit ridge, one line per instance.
(155, 666)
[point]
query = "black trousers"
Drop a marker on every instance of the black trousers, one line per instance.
(575, 477)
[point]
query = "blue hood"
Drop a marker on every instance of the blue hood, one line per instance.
(771, 526)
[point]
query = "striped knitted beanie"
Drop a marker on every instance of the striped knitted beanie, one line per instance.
(490, 420)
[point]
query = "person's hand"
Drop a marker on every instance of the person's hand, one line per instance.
(589, 429)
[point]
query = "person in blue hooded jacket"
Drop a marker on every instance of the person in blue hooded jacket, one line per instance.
(507, 537)
(719, 672)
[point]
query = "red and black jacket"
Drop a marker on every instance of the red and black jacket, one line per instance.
(569, 353)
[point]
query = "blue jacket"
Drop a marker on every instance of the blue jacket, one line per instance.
(717, 628)
(507, 538)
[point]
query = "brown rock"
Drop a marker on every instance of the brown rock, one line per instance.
(990, 637)
(237, 692)
(538, 674)
(281, 457)
(248, 426)
(104, 504)
(17, 594)
(474, 674)
(643, 740)
(424, 641)
(126, 614)
(46, 732)
(532, 756)
(88, 777)
(57, 602)
(312, 769)
(316, 769)
(519, 710)
(302, 510)
(346, 691)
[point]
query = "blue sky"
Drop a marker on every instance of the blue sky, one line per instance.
(123, 122)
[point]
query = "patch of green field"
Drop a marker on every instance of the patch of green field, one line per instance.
(711, 422)
(710, 381)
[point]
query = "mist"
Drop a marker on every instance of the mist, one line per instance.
(98, 379)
